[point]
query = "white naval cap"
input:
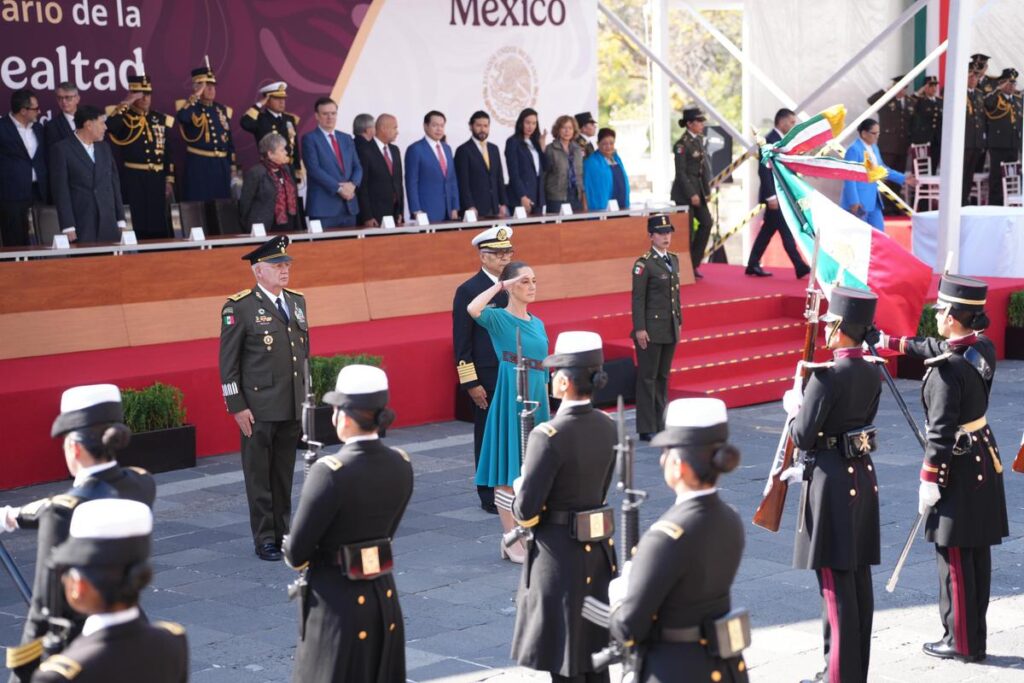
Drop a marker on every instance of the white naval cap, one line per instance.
(580, 349)
(361, 387)
(496, 237)
(108, 531)
(87, 405)
(277, 89)
(694, 422)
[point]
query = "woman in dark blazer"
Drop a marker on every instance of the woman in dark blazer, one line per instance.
(524, 156)
(269, 193)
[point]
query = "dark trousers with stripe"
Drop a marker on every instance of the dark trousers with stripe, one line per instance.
(848, 607)
(965, 580)
(268, 463)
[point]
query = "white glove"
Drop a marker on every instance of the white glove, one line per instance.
(9, 518)
(883, 339)
(927, 496)
(792, 400)
(517, 484)
(619, 586)
(793, 474)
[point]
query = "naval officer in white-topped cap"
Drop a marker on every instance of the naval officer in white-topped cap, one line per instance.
(268, 115)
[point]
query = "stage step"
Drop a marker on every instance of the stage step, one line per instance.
(722, 366)
(741, 336)
(754, 386)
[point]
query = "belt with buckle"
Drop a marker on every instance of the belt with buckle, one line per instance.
(213, 154)
(689, 634)
(156, 168)
(975, 425)
(530, 363)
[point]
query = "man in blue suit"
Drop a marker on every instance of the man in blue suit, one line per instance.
(861, 199)
(22, 167)
(332, 169)
(430, 182)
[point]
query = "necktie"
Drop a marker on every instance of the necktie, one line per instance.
(387, 160)
(441, 160)
(337, 154)
(281, 309)
(668, 261)
(487, 157)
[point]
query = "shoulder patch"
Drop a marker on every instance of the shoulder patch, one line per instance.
(252, 113)
(62, 666)
(229, 110)
(938, 360)
(332, 462)
(138, 470)
(673, 531)
(294, 291)
(179, 104)
(405, 456)
(547, 429)
(638, 267)
(169, 121)
(66, 501)
(170, 626)
(20, 655)
(240, 295)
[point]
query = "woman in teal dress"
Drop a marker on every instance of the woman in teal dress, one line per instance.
(499, 452)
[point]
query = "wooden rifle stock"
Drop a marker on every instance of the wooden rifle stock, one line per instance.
(1018, 462)
(769, 513)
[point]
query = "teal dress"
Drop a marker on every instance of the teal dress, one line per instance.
(499, 452)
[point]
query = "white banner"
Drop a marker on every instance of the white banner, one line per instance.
(458, 56)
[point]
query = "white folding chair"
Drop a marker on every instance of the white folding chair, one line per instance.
(979, 189)
(1011, 184)
(927, 188)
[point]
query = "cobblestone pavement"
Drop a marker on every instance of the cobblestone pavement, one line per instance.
(457, 595)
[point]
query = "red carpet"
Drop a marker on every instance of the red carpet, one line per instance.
(741, 339)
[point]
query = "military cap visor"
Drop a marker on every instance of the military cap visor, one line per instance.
(694, 114)
(107, 532)
(659, 223)
(359, 387)
(693, 422)
(139, 84)
(494, 238)
(203, 74)
(274, 250)
(576, 349)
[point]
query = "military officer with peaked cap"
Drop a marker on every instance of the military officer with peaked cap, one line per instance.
(269, 116)
(926, 121)
(692, 184)
(205, 126)
(894, 124)
(657, 317)
(961, 489)
(104, 566)
(264, 344)
(678, 583)
(838, 525)
(974, 134)
(475, 360)
(91, 424)
(561, 497)
(146, 171)
(350, 622)
(1003, 134)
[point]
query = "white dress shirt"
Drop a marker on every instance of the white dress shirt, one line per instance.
(569, 403)
(87, 472)
(690, 495)
(361, 437)
(273, 299)
(98, 622)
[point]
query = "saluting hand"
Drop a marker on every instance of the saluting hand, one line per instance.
(245, 420)
(511, 282)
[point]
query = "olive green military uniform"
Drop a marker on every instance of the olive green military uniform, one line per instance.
(1003, 139)
(656, 309)
(262, 363)
(585, 145)
(926, 127)
(693, 177)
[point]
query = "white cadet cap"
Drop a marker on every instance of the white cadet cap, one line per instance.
(694, 422)
(87, 405)
(108, 531)
(361, 387)
(494, 238)
(578, 349)
(278, 89)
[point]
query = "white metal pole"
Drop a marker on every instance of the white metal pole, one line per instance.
(954, 120)
(661, 114)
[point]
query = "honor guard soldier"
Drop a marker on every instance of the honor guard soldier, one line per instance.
(926, 122)
(264, 344)
(691, 186)
(205, 126)
(1003, 131)
(269, 116)
(147, 174)
(961, 489)
(475, 360)
(350, 620)
(974, 134)
(837, 527)
(561, 498)
(673, 601)
(91, 424)
(104, 566)
(894, 122)
(657, 317)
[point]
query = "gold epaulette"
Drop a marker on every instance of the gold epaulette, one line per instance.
(670, 529)
(170, 626)
(547, 429)
(467, 372)
(405, 456)
(229, 110)
(297, 119)
(332, 462)
(938, 360)
(180, 104)
(240, 295)
(138, 470)
(111, 109)
(168, 121)
(62, 666)
(294, 291)
(252, 112)
(65, 501)
(20, 655)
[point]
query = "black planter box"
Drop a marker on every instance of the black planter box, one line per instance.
(1015, 342)
(909, 368)
(162, 450)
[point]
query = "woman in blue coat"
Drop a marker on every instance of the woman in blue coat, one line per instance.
(862, 199)
(524, 156)
(604, 175)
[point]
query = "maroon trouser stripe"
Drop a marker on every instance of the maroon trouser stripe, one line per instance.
(956, 577)
(828, 591)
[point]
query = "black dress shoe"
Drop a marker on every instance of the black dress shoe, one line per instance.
(696, 274)
(489, 508)
(944, 650)
(268, 552)
(757, 271)
(646, 436)
(801, 273)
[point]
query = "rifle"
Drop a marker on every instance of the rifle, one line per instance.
(312, 452)
(16, 577)
(523, 398)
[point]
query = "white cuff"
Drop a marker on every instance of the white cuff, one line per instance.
(122, 224)
(67, 230)
(774, 196)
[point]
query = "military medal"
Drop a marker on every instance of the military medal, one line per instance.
(268, 340)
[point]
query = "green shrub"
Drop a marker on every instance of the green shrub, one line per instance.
(159, 406)
(926, 326)
(1015, 311)
(324, 370)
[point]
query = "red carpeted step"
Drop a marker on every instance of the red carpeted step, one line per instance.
(740, 389)
(741, 336)
(695, 369)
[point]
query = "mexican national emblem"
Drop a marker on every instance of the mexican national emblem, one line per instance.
(510, 84)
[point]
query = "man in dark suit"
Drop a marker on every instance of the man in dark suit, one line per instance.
(381, 193)
(62, 124)
(478, 168)
(23, 179)
(86, 187)
(475, 360)
(774, 221)
(333, 169)
(269, 116)
(429, 174)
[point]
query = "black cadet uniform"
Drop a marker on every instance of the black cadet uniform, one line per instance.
(1003, 134)
(145, 168)
(209, 149)
(350, 621)
(926, 125)
(657, 310)
(260, 121)
(263, 352)
(693, 177)
(840, 537)
(974, 140)
(567, 469)
(962, 457)
(681, 577)
(475, 360)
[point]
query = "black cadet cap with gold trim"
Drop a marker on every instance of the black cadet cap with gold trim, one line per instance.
(659, 222)
(273, 250)
(203, 74)
(852, 306)
(140, 83)
(962, 293)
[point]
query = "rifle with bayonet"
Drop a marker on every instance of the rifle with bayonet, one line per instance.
(299, 586)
